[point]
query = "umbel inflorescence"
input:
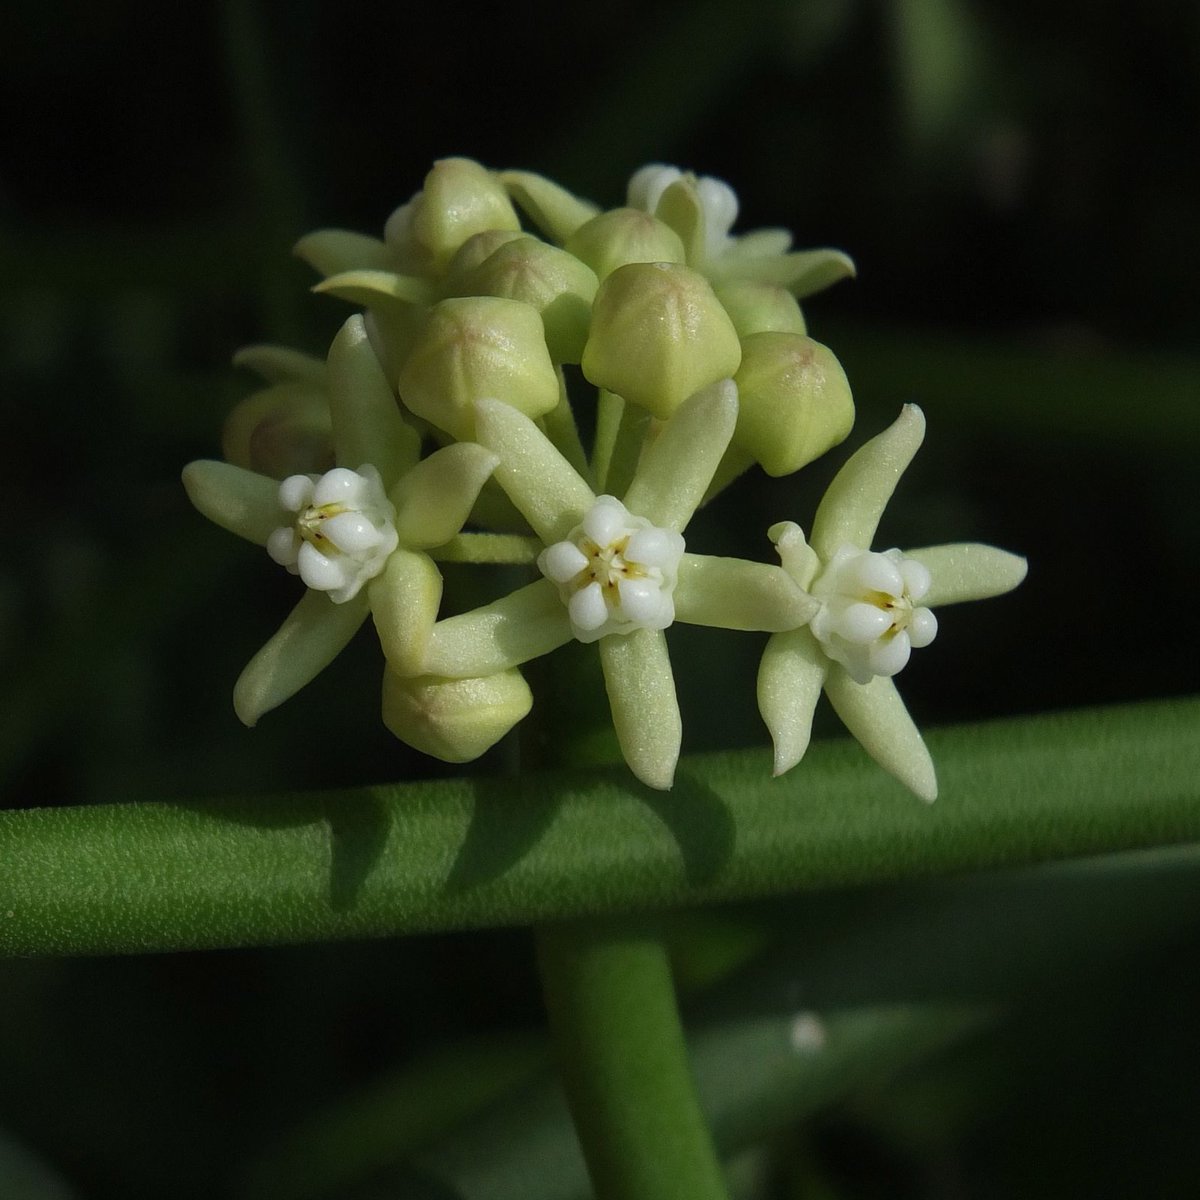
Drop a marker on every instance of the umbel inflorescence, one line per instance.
(440, 428)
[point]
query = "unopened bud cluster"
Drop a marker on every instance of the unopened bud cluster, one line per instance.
(440, 427)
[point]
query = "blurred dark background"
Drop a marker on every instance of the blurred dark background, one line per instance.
(1018, 183)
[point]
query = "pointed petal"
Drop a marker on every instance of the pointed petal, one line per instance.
(522, 625)
(367, 425)
(875, 714)
(790, 678)
(385, 290)
(731, 593)
(280, 364)
(552, 496)
(404, 603)
(679, 206)
(802, 272)
(554, 210)
(850, 511)
(241, 501)
(645, 711)
(762, 243)
(968, 571)
(677, 467)
(434, 499)
(305, 644)
(332, 251)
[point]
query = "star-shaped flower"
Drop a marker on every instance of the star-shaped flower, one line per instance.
(615, 572)
(356, 535)
(702, 211)
(875, 609)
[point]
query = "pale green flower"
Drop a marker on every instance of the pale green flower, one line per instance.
(875, 608)
(356, 535)
(702, 211)
(616, 571)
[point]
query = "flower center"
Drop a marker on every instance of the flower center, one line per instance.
(343, 531)
(870, 618)
(615, 572)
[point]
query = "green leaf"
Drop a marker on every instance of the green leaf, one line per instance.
(474, 852)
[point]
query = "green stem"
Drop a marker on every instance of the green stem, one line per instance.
(615, 1024)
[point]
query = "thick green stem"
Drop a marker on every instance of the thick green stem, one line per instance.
(624, 1063)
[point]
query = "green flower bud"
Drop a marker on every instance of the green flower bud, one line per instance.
(794, 401)
(455, 720)
(622, 236)
(658, 335)
(474, 250)
(279, 431)
(554, 282)
(760, 308)
(477, 348)
(460, 198)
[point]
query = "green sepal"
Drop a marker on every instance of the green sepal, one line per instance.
(309, 639)
(238, 500)
(404, 601)
(384, 290)
(455, 720)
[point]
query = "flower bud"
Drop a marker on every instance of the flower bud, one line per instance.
(282, 430)
(622, 236)
(455, 720)
(477, 348)
(460, 198)
(554, 282)
(760, 308)
(658, 336)
(474, 250)
(795, 402)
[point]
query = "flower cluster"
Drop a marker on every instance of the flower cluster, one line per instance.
(441, 428)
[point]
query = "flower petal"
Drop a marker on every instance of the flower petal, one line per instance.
(875, 714)
(790, 677)
(677, 467)
(522, 625)
(850, 511)
(731, 593)
(279, 364)
(404, 603)
(367, 425)
(968, 571)
(554, 210)
(645, 711)
(241, 501)
(435, 498)
(305, 644)
(802, 272)
(331, 251)
(551, 494)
